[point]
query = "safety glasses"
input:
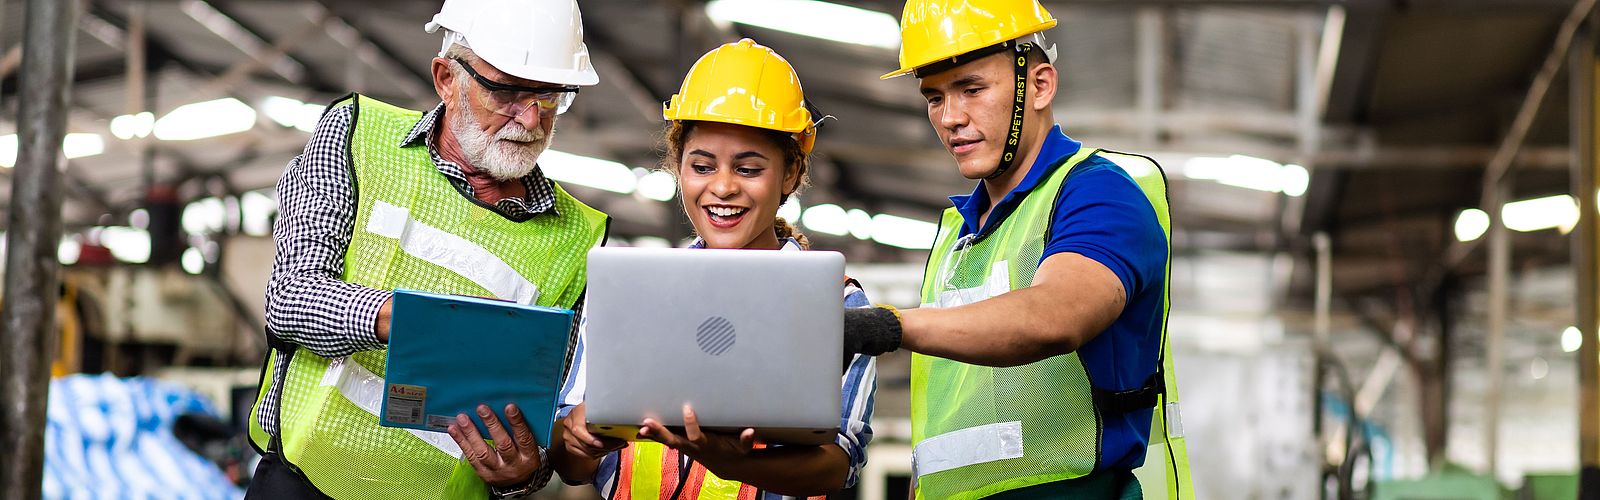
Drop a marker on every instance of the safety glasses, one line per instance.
(511, 100)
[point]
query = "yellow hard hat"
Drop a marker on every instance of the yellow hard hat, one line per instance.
(744, 83)
(938, 30)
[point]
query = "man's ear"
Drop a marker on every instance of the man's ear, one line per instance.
(1043, 78)
(444, 80)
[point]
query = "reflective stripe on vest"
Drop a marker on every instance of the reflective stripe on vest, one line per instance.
(650, 471)
(414, 230)
(984, 430)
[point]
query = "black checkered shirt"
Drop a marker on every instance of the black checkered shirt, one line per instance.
(307, 304)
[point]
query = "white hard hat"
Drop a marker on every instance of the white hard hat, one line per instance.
(540, 40)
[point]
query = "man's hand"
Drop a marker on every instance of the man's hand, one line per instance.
(580, 442)
(510, 462)
(870, 331)
(718, 452)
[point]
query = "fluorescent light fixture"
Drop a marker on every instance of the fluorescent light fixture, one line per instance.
(902, 232)
(69, 249)
(790, 211)
(206, 119)
(193, 262)
(8, 150)
(1295, 179)
(76, 145)
(1571, 339)
(827, 218)
(256, 211)
(860, 224)
(1559, 211)
(204, 216)
(585, 171)
(292, 113)
(658, 185)
(651, 242)
(829, 21)
(135, 125)
(80, 145)
(1250, 173)
(1471, 224)
(126, 244)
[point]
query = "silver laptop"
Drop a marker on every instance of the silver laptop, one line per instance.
(749, 338)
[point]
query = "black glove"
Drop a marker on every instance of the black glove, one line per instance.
(870, 331)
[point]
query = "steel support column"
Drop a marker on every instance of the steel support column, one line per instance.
(34, 232)
(1499, 278)
(1586, 254)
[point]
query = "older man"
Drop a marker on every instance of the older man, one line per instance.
(450, 201)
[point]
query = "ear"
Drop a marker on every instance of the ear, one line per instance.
(444, 80)
(1043, 78)
(791, 181)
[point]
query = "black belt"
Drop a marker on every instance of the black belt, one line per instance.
(1112, 403)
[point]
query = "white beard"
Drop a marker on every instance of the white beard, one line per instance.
(510, 154)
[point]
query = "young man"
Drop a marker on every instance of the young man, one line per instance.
(451, 201)
(1040, 352)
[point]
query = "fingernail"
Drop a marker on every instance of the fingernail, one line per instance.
(483, 411)
(461, 419)
(511, 410)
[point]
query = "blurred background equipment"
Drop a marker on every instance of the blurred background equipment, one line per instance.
(1384, 275)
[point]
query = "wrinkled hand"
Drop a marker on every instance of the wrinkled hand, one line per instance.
(580, 442)
(714, 450)
(511, 461)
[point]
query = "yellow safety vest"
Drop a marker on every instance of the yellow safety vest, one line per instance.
(982, 430)
(414, 230)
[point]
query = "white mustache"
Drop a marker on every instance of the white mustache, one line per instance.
(515, 132)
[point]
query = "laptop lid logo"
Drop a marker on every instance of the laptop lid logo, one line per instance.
(716, 335)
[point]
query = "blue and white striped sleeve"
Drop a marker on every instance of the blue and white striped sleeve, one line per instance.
(859, 386)
(576, 385)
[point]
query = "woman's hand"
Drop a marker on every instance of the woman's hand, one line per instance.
(719, 453)
(580, 442)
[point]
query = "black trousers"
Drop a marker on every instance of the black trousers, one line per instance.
(275, 480)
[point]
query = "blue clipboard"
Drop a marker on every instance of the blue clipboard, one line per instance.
(450, 353)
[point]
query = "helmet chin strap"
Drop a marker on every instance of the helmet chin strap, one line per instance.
(1018, 104)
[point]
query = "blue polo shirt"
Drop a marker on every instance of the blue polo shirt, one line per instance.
(1103, 215)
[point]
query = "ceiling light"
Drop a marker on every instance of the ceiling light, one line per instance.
(135, 125)
(860, 224)
(828, 21)
(658, 185)
(1471, 224)
(1559, 211)
(204, 216)
(902, 232)
(292, 113)
(126, 244)
(69, 250)
(255, 212)
(1294, 180)
(1571, 339)
(76, 145)
(827, 218)
(206, 119)
(585, 171)
(193, 262)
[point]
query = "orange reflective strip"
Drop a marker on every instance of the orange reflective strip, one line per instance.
(747, 492)
(624, 474)
(697, 478)
(669, 473)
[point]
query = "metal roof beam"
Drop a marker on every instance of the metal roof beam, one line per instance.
(247, 40)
